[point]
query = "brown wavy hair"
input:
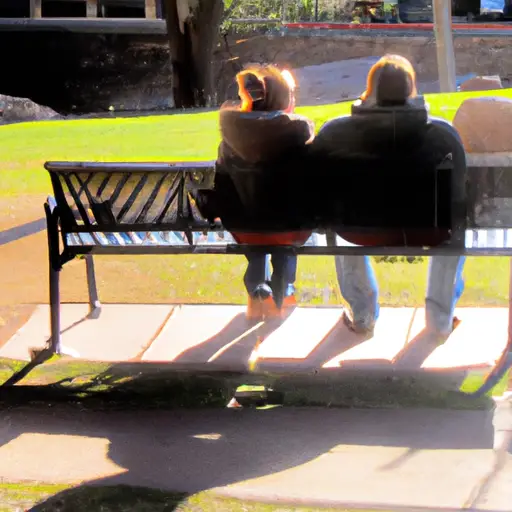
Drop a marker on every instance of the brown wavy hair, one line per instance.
(265, 87)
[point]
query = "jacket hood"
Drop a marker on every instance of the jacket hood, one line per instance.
(393, 128)
(263, 136)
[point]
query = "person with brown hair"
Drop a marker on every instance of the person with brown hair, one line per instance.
(370, 131)
(261, 138)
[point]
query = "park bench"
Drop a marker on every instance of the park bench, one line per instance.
(149, 208)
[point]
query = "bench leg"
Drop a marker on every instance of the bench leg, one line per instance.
(55, 310)
(52, 233)
(94, 302)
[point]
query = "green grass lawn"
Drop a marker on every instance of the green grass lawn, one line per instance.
(24, 148)
(53, 498)
(204, 279)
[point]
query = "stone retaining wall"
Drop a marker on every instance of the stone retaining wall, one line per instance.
(87, 72)
(482, 55)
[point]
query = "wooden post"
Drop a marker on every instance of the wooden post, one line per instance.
(151, 9)
(36, 10)
(92, 8)
(444, 45)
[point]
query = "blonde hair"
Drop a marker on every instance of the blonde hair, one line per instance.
(390, 67)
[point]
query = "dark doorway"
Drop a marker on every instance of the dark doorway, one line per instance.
(15, 9)
(52, 9)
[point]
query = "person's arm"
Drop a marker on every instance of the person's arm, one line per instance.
(304, 127)
(209, 202)
(332, 137)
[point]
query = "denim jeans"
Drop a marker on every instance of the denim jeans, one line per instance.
(281, 280)
(444, 289)
(359, 288)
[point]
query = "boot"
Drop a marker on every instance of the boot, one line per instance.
(261, 304)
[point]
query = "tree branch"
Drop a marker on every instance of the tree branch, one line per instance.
(232, 7)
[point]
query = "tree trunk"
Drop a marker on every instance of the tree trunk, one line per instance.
(192, 39)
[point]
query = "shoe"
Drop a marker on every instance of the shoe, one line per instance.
(443, 335)
(364, 330)
(289, 304)
(262, 292)
(270, 309)
(258, 308)
(440, 337)
(263, 309)
(261, 304)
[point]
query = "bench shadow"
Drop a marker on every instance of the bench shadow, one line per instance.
(23, 230)
(416, 352)
(196, 450)
(338, 340)
(234, 343)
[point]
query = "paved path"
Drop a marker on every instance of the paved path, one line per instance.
(344, 80)
(375, 458)
(308, 338)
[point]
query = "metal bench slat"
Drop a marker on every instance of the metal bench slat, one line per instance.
(475, 239)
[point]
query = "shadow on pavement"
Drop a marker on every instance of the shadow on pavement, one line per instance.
(21, 231)
(195, 450)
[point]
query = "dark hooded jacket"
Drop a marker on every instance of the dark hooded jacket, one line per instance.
(390, 133)
(362, 156)
(257, 158)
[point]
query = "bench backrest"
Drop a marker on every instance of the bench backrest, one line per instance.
(124, 196)
(118, 197)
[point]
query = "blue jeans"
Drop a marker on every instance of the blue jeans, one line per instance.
(444, 289)
(359, 288)
(283, 276)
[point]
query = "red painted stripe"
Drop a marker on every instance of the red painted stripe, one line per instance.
(396, 26)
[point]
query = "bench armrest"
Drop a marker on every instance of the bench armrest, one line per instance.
(52, 204)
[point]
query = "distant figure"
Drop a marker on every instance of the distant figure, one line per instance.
(259, 133)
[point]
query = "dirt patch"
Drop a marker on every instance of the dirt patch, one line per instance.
(15, 211)
(25, 276)
(12, 318)
(120, 279)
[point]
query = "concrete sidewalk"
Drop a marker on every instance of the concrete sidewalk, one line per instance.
(364, 458)
(309, 338)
